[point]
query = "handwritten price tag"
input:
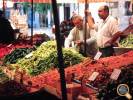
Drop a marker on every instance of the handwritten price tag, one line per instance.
(9, 45)
(98, 55)
(115, 74)
(93, 76)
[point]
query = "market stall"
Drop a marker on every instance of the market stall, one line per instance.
(87, 78)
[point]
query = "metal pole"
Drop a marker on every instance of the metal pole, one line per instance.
(32, 21)
(86, 7)
(3, 7)
(59, 50)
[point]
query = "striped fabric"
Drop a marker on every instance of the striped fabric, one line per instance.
(82, 1)
(64, 1)
(35, 1)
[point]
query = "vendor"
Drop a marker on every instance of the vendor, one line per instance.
(76, 37)
(6, 30)
(107, 31)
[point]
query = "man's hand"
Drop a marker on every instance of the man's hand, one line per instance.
(78, 42)
(87, 12)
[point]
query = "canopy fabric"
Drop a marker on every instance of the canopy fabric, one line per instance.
(47, 1)
(82, 1)
(64, 1)
(35, 1)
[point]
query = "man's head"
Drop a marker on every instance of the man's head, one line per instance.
(78, 21)
(103, 12)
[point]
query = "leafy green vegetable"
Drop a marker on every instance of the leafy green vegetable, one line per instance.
(45, 58)
(127, 42)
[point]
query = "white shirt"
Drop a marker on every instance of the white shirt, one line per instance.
(70, 37)
(105, 30)
(74, 33)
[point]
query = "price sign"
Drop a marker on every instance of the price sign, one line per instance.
(98, 55)
(29, 55)
(93, 76)
(115, 74)
(9, 45)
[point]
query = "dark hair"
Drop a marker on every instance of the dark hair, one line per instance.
(15, 6)
(106, 8)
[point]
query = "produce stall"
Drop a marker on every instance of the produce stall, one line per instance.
(23, 63)
(22, 43)
(39, 70)
(85, 78)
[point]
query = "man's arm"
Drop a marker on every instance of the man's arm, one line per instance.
(126, 31)
(69, 39)
(90, 19)
(114, 38)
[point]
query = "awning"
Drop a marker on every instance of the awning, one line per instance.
(47, 1)
(35, 1)
(89, 1)
(64, 1)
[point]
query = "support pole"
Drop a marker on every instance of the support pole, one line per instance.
(59, 50)
(86, 7)
(32, 16)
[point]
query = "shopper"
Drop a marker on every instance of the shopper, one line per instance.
(107, 31)
(76, 37)
(6, 30)
(65, 27)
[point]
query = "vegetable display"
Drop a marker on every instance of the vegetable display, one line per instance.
(3, 77)
(45, 58)
(109, 92)
(16, 54)
(127, 42)
(84, 72)
(104, 66)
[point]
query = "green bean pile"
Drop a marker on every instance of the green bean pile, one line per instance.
(45, 58)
